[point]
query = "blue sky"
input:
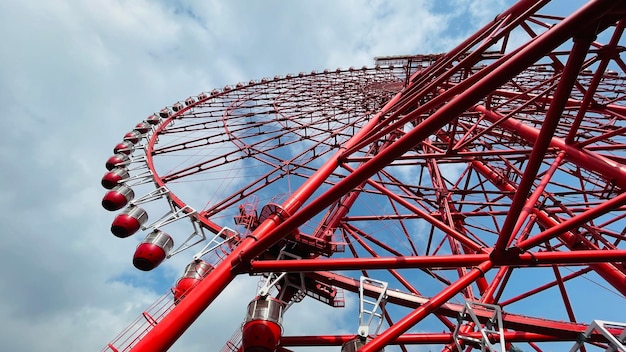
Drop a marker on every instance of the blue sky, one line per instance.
(75, 76)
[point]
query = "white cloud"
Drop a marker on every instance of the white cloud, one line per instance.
(76, 75)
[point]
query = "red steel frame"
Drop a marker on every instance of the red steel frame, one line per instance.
(461, 104)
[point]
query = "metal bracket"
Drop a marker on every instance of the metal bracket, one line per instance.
(134, 160)
(225, 235)
(152, 195)
(171, 216)
(139, 179)
(492, 326)
(616, 343)
(377, 309)
(198, 231)
(273, 279)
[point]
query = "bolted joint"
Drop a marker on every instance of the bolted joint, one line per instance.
(507, 256)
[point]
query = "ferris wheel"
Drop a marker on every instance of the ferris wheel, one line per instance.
(472, 200)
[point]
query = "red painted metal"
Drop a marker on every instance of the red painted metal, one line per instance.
(493, 173)
(413, 339)
(549, 125)
(584, 158)
(406, 323)
(439, 262)
(450, 309)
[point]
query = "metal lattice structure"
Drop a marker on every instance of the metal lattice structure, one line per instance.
(491, 176)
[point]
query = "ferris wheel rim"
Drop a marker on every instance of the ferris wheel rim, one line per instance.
(153, 140)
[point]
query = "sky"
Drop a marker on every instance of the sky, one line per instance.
(75, 76)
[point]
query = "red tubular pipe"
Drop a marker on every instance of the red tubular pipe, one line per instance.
(452, 310)
(574, 222)
(517, 63)
(534, 197)
(438, 262)
(430, 338)
(587, 159)
(550, 123)
(403, 325)
(554, 229)
(424, 215)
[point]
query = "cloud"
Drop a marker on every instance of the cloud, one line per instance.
(76, 75)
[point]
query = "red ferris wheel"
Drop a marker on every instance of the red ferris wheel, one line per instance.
(472, 200)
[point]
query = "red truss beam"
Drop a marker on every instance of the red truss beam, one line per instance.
(585, 158)
(542, 142)
(561, 230)
(429, 338)
(525, 259)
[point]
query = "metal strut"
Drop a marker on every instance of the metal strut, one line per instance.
(275, 279)
(225, 235)
(616, 343)
(491, 327)
(377, 309)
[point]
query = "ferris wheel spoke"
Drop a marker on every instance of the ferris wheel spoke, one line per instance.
(427, 216)
(241, 193)
(546, 286)
(229, 157)
(359, 235)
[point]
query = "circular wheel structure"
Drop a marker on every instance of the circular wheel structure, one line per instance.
(472, 200)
